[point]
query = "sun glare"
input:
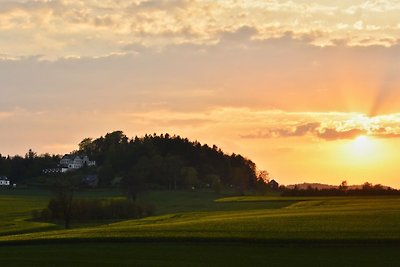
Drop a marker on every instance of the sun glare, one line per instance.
(361, 140)
(362, 148)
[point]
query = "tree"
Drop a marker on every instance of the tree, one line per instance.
(343, 185)
(134, 182)
(367, 186)
(216, 183)
(172, 166)
(240, 180)
(189, 177)
(263, 176)
(62, 203)
(86, 146)
(105, 174)
(30, 155)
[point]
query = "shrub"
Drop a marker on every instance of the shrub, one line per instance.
(95, 209)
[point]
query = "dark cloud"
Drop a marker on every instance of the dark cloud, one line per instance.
(300, 130)
(243, 33)
(330, 134)
(385, 133)
(306, 128)
(315, 129)
(160, 5)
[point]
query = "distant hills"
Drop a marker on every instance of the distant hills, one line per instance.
(319, 186)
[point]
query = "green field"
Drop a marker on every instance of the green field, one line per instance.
(363, 231)
(193, 254)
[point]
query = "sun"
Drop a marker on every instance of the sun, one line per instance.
(363, 152)
(361, 141)
(362, 146)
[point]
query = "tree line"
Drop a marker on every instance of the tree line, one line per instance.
(166, 162)
(20, 168)
(367, 189)
(153, 161)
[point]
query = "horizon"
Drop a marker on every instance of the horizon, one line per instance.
(308, 90)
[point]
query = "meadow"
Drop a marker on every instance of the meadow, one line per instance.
(363, 231)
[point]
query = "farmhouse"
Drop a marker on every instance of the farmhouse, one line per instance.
(273, 184)
(4, 181)
(71, 162)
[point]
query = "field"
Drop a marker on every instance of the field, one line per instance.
(360, 231)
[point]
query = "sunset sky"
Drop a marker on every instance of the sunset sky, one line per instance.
(309, 90)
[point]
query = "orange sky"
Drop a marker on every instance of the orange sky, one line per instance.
(290, 84)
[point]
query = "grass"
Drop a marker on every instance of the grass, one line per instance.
(16, 209)
(331, 218)
(204, 201)
(192, 254)
(361, 230)
(16, 206)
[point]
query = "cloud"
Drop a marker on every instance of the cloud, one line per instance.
(330, 134)
(297, 131)
(312, 130)
(239, 35)
(331, 126)
(97, 28)
(166, 118)
(386, 132)
(282, 73)
(307, 128)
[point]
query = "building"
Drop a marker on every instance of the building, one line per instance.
(90, 181)
(71, 162)
(273, 185)
(4, 181)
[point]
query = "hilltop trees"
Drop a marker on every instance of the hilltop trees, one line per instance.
(18, 168)
(169, 162)
(156, 161)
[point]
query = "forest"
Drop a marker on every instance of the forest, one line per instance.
(152, 161)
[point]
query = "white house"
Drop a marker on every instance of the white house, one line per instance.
(4, 181)
(75, 162)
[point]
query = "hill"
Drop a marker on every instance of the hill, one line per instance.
(155, 161)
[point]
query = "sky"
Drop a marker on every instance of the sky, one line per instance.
(308, 90)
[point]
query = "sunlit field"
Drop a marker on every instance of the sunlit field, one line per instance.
(320, 219)
(262, 227)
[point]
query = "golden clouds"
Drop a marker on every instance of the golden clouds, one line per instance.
(330, 126)
(269, 124)
(96, 28)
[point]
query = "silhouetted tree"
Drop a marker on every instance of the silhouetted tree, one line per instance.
(343, 185)
(134, 182)
(63, 188)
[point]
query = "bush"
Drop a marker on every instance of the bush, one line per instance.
(95, 209)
